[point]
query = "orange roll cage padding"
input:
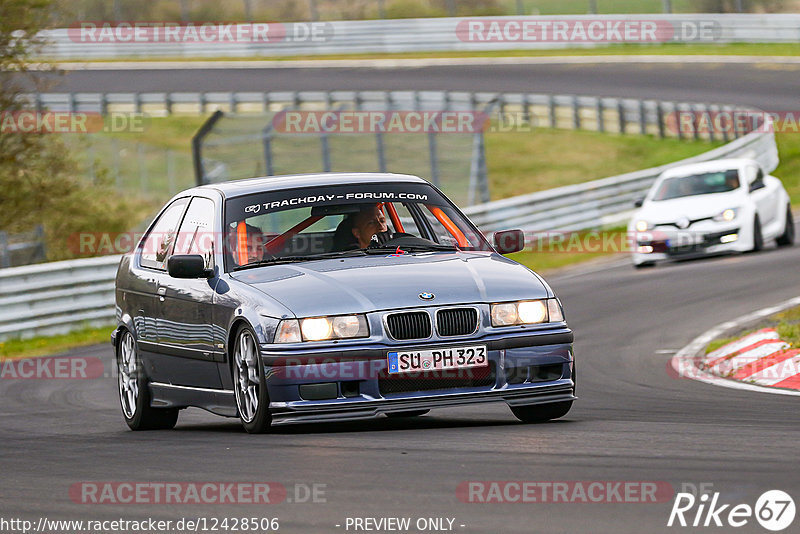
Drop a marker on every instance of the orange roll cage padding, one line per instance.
(278, 242)
(398, 226)
(454, 230)
(241, 240)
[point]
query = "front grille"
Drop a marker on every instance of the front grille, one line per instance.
(456, 321)
(475, 377)
(411, 325)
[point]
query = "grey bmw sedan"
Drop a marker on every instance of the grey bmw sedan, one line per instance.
(332, 297)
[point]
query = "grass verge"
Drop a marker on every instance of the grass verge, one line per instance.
(787, 324)
(48, 345)
(667, 49)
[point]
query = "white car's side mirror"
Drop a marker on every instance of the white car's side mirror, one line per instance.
(750, 174)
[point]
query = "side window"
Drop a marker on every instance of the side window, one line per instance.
(409, 226)
(196, 235)
(158, 243)
(759, 183)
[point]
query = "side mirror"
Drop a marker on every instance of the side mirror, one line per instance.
(638, 202)
(509, 241)
(750, 174)
(188, 266)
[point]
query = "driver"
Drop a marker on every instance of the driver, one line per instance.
(367, 224)
(360, 229)
(255, 244)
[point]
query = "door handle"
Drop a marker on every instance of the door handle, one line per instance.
(161, 292)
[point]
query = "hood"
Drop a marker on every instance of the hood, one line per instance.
(694, 207)
(371, 283)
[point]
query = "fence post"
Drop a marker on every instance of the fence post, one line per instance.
(266, 137)
(677, 113)
(137, 103)
(601, 120)
(621, 114)
(660, 119)
(551, 109)
(432, 154)
(40, 253)
(326, 152)
(576, 114)
(642, 118)
(5, 260)
(168, 103)
(73, 106)
(381, 151)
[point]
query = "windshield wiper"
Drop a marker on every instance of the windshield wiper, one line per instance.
(295, 259)
(383, 249)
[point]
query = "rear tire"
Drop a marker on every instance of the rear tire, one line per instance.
(410, 413)
(134, 394)
(758, 237)
(539, 413)
(786, 239)
(249, 384)
(644, 265)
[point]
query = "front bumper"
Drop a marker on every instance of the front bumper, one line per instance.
(524, 369)
(688, 245)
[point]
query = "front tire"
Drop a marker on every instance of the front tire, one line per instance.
(786, 239)
(540, 413)
(134, 395)
(758, 237)
(252, 400)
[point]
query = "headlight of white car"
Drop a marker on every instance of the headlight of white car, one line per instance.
(642, 226)
(727, 215)
(322, 328)
(526, 312)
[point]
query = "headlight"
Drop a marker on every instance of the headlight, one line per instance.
(727, 215)
(322, 328)
(527, 312)
(642, 226)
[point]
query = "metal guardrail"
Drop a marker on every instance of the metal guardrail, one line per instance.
(58, 297)
(427, 34)
(22, 249)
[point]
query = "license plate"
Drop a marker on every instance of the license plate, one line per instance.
(438, 359)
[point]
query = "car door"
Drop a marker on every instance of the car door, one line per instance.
(149, 264)
(185, 306)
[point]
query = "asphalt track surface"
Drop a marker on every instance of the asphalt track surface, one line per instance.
(773, 87)
(634, 421)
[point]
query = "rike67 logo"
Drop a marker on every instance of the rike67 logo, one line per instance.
(774, 510)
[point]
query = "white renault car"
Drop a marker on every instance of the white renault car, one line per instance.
(715, 207)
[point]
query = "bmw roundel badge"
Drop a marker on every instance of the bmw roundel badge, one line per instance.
(427, 296)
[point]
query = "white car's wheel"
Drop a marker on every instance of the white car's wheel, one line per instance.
(758, 237)
(787, 237)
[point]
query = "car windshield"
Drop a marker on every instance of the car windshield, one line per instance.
(344, 220)
(697, 184)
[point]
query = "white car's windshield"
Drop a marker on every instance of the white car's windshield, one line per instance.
(697, 184)
(331, 221)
